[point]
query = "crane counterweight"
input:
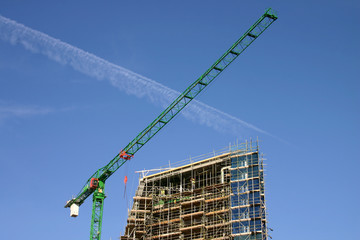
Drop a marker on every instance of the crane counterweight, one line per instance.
(74, 210)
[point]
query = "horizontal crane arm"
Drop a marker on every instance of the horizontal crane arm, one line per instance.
(180, 102)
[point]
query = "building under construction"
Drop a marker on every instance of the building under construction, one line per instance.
(215, 196)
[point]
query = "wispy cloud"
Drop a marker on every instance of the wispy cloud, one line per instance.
(13, 110)
(23, 110)
(10, 109)
(122, 78)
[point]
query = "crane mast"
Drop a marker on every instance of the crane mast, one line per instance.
(96, 183)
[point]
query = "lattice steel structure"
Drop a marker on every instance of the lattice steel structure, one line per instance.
(217, 196)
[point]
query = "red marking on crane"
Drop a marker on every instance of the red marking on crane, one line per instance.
(124, 155)
(94, 183)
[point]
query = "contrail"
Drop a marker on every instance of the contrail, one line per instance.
(122, 78)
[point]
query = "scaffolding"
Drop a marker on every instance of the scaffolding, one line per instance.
(215, 196)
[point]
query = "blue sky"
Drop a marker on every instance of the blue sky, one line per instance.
(299, 82)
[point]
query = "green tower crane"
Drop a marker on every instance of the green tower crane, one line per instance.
(96, 183)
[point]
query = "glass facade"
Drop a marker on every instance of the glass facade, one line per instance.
(248, 215)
